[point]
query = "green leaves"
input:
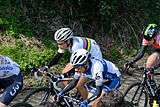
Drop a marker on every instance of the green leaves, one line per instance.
(25, 55)
(108, 20)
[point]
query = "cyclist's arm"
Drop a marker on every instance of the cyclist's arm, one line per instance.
(96, 95)
(67, 68)
(99, 85)
(55, 59)
(140, 54)
(71, 85)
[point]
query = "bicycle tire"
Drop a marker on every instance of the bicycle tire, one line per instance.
(142, 90)
(37, 96)
(22, 104)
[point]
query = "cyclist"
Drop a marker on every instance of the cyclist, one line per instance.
(100, 71)
(11, 80)
(67, 41)
(151, 38)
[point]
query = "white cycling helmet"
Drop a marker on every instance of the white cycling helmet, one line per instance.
(79, 57)
(63, 34)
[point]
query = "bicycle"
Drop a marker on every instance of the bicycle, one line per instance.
(43, 95)
(144, 91)
(71, 99)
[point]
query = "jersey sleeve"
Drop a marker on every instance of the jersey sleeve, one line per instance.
(98, 73)
(75, 47)
(55, 59)
(12, 62)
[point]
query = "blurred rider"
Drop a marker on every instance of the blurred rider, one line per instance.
(11, 80)
(151, 37)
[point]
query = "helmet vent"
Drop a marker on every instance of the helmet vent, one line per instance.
(82, 59)
(79, 57)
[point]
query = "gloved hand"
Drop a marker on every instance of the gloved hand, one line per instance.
(59, 96)
(128, 64)
(84, 103)
(150, 70)
(43, 69)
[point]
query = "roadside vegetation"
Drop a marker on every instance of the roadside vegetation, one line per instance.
(27, 27)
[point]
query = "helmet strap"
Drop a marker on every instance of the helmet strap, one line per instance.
(87, 64)
(69, 42)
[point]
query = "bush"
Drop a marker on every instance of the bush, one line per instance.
(25, 55)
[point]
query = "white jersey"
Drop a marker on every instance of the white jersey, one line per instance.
(100, 70)
(85, 43)
(8, 67)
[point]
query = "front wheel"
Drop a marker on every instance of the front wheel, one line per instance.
(38, 96)
(136, 96)
(22, 105)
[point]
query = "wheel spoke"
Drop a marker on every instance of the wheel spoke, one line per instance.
(38, 96)
(136, 95)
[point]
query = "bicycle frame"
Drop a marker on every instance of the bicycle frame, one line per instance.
(146, 86)
(54, 79)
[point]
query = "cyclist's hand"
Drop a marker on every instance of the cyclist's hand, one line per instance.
(150, 70)
(59, 96)
(43, 69)
(128, 64)
(84, 103)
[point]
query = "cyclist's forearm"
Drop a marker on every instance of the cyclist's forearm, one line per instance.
(67, 68)
(96, 95)
(140, 54)
(55, 59)
(70, 86)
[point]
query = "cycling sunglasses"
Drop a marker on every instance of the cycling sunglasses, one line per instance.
(62, 43)
(80, 65)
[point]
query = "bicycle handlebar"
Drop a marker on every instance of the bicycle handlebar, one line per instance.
(126, 68)
(52, 75)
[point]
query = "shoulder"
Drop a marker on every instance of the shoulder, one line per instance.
(76, 37)
(96, 64)
(111, 65)
(158, 37)
(77, 43)
(10, 61)
(6, 59)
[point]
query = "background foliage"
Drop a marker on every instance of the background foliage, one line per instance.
(116, 25)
